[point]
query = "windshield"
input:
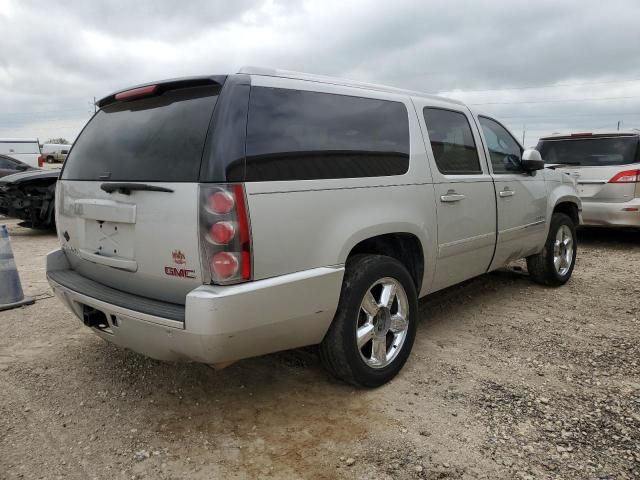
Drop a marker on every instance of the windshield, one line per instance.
(156, 139)
(590, 151)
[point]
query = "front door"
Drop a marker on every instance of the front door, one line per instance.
(465, 196)
(521, 196)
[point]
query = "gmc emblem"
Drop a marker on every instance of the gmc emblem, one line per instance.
(179, 272)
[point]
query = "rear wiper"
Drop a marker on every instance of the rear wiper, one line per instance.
(127, 188)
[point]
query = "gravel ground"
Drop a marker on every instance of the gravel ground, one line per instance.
(507, 380)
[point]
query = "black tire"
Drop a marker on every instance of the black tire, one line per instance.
(339, 351)
(49, 159)
(541, 266)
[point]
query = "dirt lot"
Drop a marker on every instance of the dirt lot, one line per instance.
(507, 380)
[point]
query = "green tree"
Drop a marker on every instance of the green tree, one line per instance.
(61, 141)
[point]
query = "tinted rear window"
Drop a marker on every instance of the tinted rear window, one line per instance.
(299, 135)
(156, 139)
(452, 143)
(590, 151)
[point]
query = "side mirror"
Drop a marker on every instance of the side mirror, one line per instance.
(21, 168)
(531, 160)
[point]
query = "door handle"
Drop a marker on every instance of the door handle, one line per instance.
(507, 192)
(451, 196)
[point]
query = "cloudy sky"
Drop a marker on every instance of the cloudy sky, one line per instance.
(542, 66)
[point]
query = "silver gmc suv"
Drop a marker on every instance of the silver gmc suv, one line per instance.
(217, 218)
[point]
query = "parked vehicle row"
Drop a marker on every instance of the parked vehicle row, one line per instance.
(216, 218)
(605, 166)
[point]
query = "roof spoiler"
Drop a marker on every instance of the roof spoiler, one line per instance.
(577, 136)
(157, 88)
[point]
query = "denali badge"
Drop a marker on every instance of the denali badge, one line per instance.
(178, 257)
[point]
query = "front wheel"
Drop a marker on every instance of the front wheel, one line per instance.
(374, 327)
(554, 265)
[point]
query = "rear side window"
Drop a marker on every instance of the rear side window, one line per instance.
(299, 135)
(591, 151)
(156, 139)
(452, 142)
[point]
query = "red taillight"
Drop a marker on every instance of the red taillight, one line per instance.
(245, 232)
(220, 202)
(225, 265)
(246, 265)
(222, 232)
(226, 233)
(40, 161)
(628, 176)
(137, 93)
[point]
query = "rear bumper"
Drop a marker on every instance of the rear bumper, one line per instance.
(611, 214)
(221, 323)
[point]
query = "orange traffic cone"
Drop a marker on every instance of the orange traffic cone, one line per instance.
(11, 295)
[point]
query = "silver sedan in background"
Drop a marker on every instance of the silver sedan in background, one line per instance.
(606, 169)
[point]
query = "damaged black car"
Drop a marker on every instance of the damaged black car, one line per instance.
(30, 197)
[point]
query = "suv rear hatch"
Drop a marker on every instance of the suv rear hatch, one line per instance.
(127, 202)
(595, 162)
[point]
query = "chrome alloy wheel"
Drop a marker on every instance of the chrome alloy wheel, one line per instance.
(383, 322)
(563, 250)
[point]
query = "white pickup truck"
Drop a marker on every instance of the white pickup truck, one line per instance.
(220, 217)
(55, 152)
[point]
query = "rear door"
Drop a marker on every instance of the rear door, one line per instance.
(594, 163)
(127, 202)
(465, 195)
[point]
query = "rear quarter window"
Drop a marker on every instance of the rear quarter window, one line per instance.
(301, 135)
(157, 139)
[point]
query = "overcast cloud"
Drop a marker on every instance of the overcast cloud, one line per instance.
(55, 56)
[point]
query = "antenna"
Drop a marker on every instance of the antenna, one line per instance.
(95, 109)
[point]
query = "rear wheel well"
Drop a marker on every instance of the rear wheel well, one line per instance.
(570, 209)
(404, 247)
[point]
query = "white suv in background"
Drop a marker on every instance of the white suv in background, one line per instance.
(606, 168)
(221, 217)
